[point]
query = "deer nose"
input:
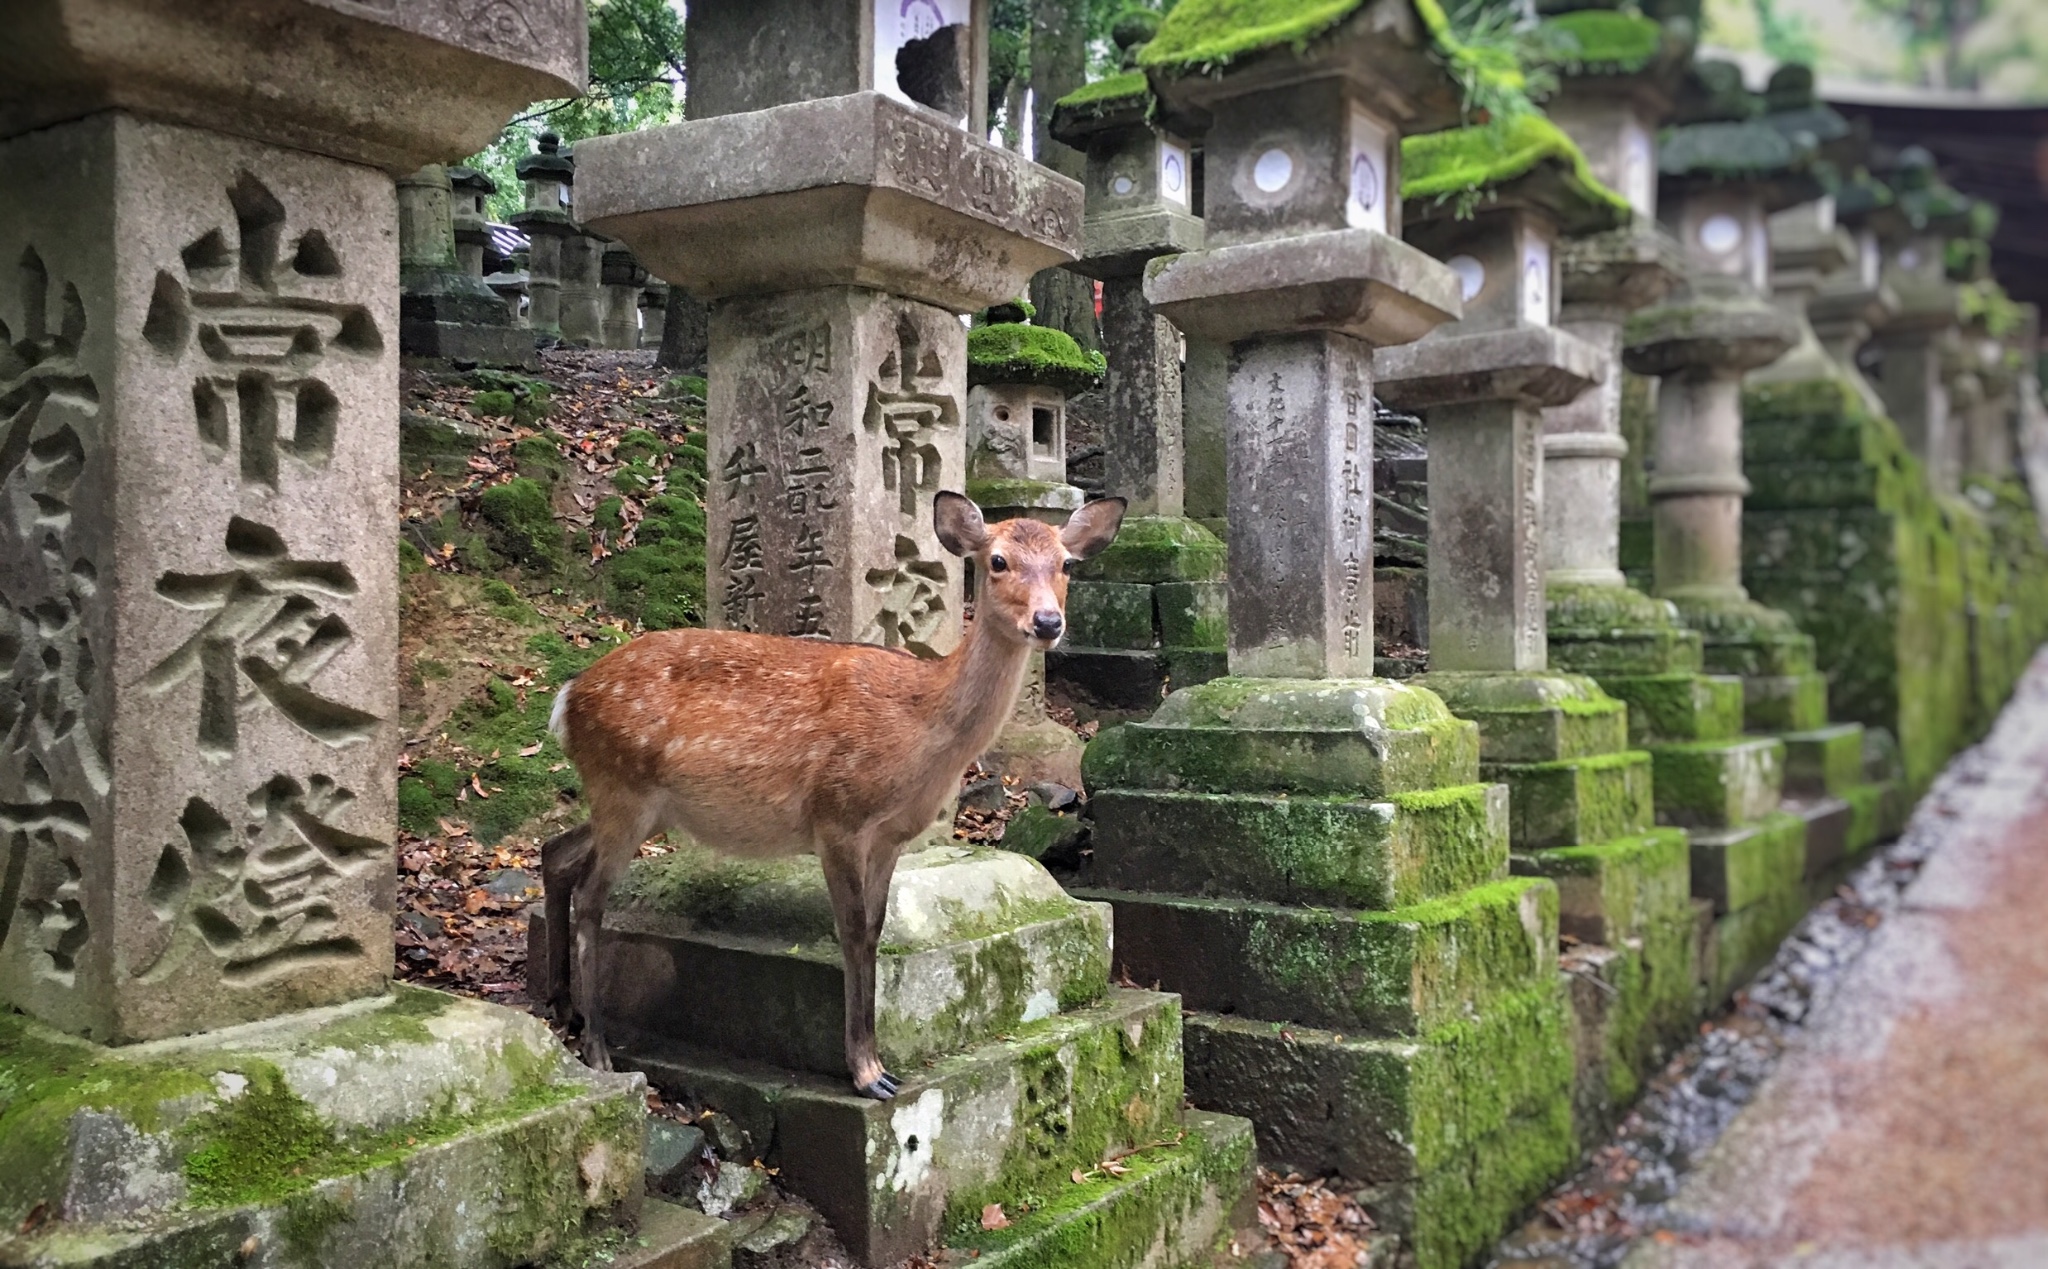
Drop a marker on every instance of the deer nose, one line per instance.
(1047, 623)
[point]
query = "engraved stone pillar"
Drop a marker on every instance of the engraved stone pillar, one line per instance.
(547, 175)
(202, 711)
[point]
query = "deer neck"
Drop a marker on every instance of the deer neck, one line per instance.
(980, 692)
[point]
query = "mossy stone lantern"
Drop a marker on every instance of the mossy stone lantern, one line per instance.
(1808, 244)
(1854, 301)
(1019, 377)
(547, 177)
(1929, 214)
(472, 192)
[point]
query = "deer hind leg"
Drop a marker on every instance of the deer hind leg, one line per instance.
(613, 845)
(846, 878)
(564, 859)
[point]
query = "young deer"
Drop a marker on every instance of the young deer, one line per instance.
(764, 745)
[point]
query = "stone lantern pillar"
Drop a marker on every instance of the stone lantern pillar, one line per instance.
(623, 277)
(835, 206)
(1018, 380)
(1208, 813)
(1910, 375)
(444, 310)
(471, 192)
(582, 305)
(1150, 609)
(653, 312)
(199, 388)
(1852, 301)
(547, 175)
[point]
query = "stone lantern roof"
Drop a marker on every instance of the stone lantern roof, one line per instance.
(1526, 160)
(1792, 107)
(1119, 101)
(1724, 138)
(549, 163)
(1406, 46)
(1008, 349)
(1928, 203)
(472, 181)
(1596, 42)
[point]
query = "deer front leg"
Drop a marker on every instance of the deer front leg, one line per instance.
(564, 860)
(592, 891)
(846, 881)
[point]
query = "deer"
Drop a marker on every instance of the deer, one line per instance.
(768, 745)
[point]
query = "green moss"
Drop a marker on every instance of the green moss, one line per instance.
(410, 560)
(659, 581)
(1015, 353)
(255, 1144)
(522, 526)
(492, 404)
(688, 386)
(1606, 40)
(525, 400)
(540, 457)
(425, 442)
(1464, 163)
(1115, 90)
(1158, 549)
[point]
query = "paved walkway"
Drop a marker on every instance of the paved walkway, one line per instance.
(1908, 1126)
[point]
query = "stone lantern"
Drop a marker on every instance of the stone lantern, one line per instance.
(547, 176)
(623, 277)
(832, 200)
(1206, 813)
(1807, 241)
(471, 191)
(1914, 341)
(444, 310)
(1150, 609)
(199, 229)
(1852, 301)
(1018, 380)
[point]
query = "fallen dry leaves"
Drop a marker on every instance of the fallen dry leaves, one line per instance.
(1315, 1226)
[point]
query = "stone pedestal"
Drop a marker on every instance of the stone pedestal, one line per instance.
(622, 277)
(582, 289)
(444, 310)
(547, 176)
(838, 241)
(195, 921)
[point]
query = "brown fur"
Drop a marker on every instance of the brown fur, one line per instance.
(764, 745)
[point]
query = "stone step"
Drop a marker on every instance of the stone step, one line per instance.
(414, 1128)
(1336, 851)
(1614, 630)
(1397, 973)
(1785, 702)
(1193, 614)
(1576, 801)
(1614, 890)
(1358, 737)
(1678, 708)
(1829, 821)
(1003, 1120)
(1112, 615)
(1110, 678)
(740, 956)
(1744, 941)
(1736, 868)
(672, 1236)
(1377, 1110)
(1166, 1206)
(1827, 761)
(1533, 717)
(1718, 783)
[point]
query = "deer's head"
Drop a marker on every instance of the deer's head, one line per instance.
(1021, 591)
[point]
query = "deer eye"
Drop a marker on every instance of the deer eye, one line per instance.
(1069, 564)
(997, 564)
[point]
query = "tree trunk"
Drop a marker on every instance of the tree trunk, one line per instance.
(685, 334)
(1059, 65)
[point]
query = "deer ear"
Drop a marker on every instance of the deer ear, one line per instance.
(1093, 527)
(959, 523)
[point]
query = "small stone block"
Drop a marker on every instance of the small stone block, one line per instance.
(1334, 851)
(1827, 761)
(1741, 867)
(1108, 678)
(1356, 737)
(1718, 783)
(1171, 1205)
(1005, 1118)
(1158, 549)
(1192, 667)
(1367, 973)
(672, 1236)
(1534, 717)
(1678, 708)
(1612, 891)
(672, 1153)
(1578, 801)
(1194, 614)
(1744, 942)
(1110, 615)
(1869, 805)
(1378, 1110)
(1828, 821)
(1785, 702)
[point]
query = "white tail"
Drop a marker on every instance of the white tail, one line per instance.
(765, 745)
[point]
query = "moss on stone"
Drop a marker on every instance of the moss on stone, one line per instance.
(1121, 89)
(1151, 549)
(1606, 41)
(1011, 352)
(1466, 164)
(522, 526)
(659, 581)
(1576, 801)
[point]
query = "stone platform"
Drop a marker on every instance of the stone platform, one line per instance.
(411, 1128)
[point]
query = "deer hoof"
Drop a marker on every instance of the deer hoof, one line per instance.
(882, 1088)
(595, 1055)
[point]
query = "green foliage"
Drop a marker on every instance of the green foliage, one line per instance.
(636, 75)
(1788, 37)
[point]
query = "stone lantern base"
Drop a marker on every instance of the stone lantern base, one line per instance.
(1318, 868)
(1146, 616)
(409, 1128)
(1022, 1068)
